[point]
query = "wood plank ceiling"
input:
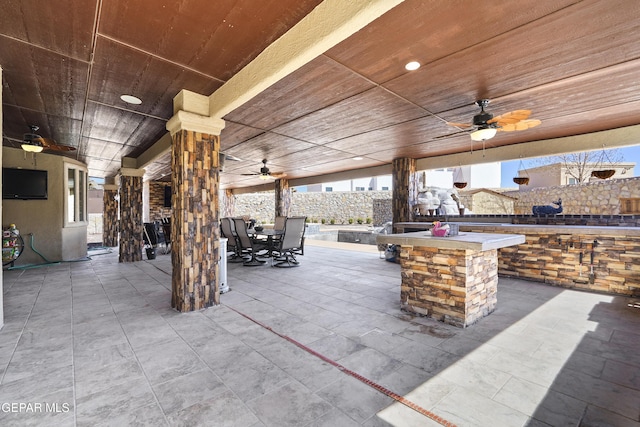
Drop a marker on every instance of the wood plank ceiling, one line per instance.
(65, 63)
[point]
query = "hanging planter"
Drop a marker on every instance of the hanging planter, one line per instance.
(603, 174)
(524, 179)
(521, 180)
(458, 178)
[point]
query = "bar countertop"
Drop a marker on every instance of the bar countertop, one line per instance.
(463, 241)
(532, 228)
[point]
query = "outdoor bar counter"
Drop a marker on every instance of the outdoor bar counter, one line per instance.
(452, 279)
(588, 257)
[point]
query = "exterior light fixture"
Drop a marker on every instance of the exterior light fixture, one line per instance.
(32, 147)
(130, 99)
(483, 134)
(413, 65)
(357, 158)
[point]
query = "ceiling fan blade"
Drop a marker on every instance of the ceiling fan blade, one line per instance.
(61, 147)
(460, 125)
(521, 125)
(510, 117)
(249, 174)
(50, 144)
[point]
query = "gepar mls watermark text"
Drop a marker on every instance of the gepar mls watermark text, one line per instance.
(34, 407)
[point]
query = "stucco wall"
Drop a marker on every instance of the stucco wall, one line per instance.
(44, 218)
(593, 198)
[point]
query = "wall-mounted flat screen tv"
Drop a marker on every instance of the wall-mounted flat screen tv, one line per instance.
(24, 184)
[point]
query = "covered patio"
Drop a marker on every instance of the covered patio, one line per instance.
(98, 343)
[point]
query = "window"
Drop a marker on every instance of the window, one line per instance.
(75, 195)
(328, 189)
(359, 188)
(573, 181)
(385, 188)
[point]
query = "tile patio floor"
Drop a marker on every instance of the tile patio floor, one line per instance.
(98, 343)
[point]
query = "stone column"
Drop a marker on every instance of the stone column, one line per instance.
(283, 197)
(110, 215)
(404, 189)
(131, 214)
(195, 230)
(227, 204)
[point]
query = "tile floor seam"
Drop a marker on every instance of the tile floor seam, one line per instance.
(135, 355)
(394, 396)
(211, 369)
(24, 326)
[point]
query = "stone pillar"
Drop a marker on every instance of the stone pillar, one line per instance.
(110, 215)
(227, 204)
(405, 190)
(455, 286)
(131, 214)
(283, 197)
(195, 230)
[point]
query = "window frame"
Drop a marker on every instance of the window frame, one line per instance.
(80, 179)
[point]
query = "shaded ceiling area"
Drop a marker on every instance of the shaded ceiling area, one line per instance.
(575, 64)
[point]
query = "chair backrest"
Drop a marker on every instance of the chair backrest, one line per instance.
(226, 226)
(166, 230)
(241, 232)
(278, 224)
(293, 232)
(150, 233)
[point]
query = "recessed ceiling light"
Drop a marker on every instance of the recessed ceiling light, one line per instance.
(130, 99)
(413, 65)
(357, 158)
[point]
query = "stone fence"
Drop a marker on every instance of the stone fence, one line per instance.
(374, 207)
(593, 198)
(338, 207)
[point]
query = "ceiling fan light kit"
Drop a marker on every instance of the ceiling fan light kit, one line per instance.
(486, 126)
(483, 134)
(34, 143)
(32, 147)
(265, 173)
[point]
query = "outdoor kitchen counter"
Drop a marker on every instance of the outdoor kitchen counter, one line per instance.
(452, 279)
(465, 240)
(527, 228)
(594, 258)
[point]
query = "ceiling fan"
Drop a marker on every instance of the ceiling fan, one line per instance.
(265, 173)
(34, 143)
(486, 126)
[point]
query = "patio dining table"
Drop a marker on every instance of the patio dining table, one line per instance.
(271, 237)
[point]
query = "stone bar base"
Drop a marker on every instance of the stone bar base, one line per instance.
(455, 286)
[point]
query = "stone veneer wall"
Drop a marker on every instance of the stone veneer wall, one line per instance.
(554, 258)
(596, 198)
(339, 206)
(156, 201)
(458, 287)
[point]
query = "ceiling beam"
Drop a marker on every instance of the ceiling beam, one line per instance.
(331, 22)
(327, 25)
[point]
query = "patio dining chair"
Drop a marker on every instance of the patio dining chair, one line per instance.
(227, 227)
(166, 231)
(291, 242)
(247, 244)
